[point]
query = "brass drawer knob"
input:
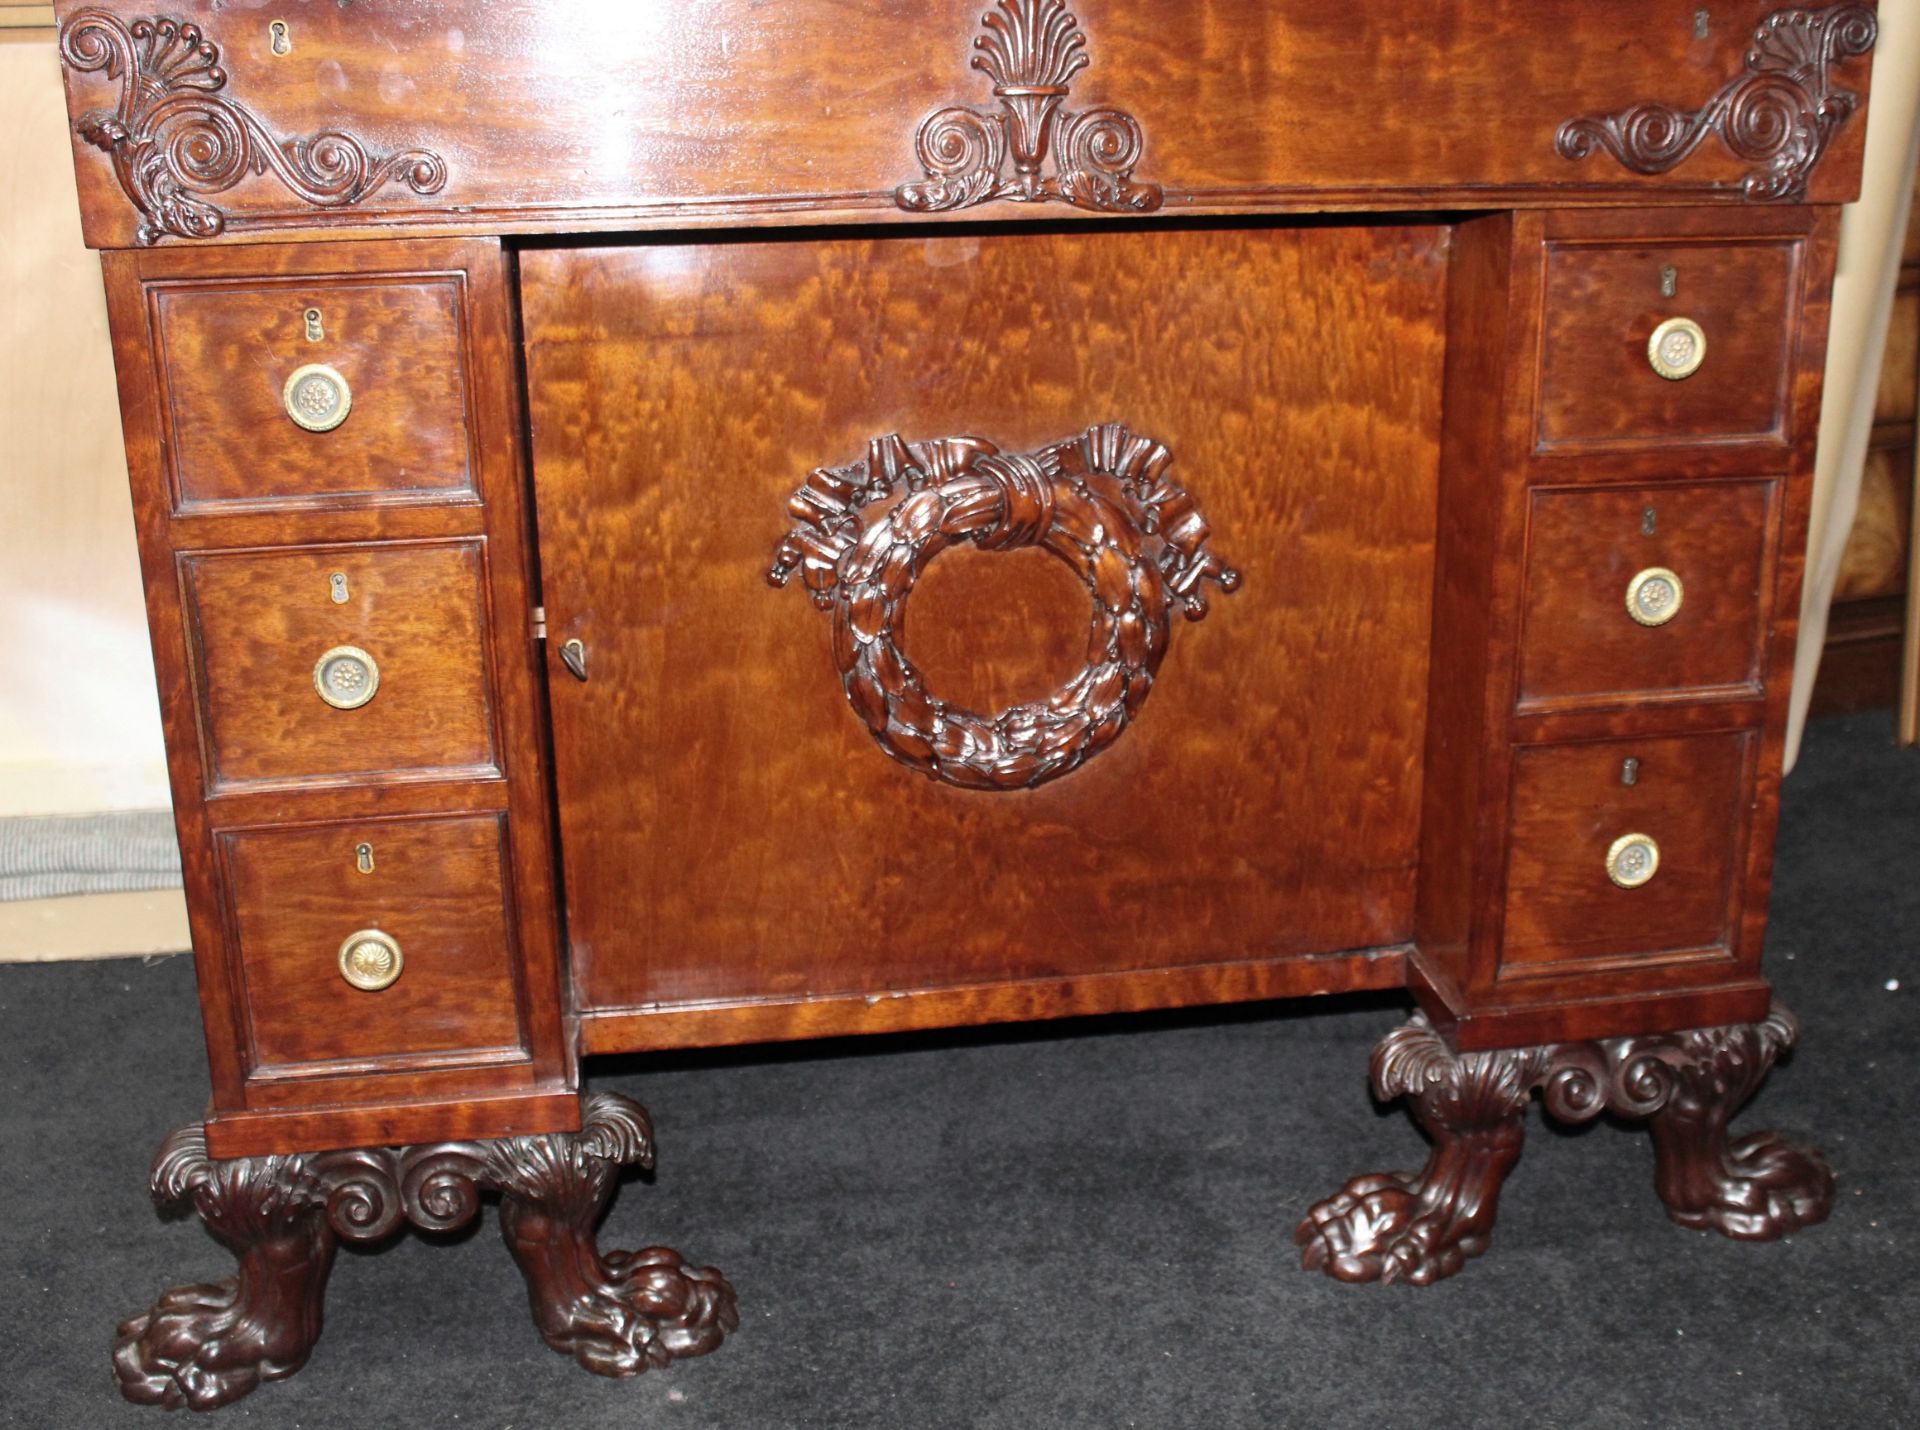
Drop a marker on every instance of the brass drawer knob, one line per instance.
(346, 677)
(317, 397)
(1677, 348)
(1632, 859)
(1654, 596)
(371, 960)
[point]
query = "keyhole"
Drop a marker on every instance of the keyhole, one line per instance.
(279, 38)
(1702, 24)
(1648, 521)
(337, 588)
(363, 856)
(314, 331)
(1669, 281)
(1629, 772)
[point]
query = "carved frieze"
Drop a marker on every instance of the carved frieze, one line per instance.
(1778, 116)
(1031, 50)
(176, 140)
(1103, 502)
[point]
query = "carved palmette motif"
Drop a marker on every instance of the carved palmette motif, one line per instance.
(175, 139)
(1103, 502)
(1031, 50)
(1779, 115)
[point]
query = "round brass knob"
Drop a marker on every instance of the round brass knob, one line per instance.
(1632, 859)
(317, 397)
(1677, 348)
(346, 677)
(371, 960)
(1654, 596)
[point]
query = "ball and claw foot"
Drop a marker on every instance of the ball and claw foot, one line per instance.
(1372, 1229)
(1685, 1086)
(616, 1313)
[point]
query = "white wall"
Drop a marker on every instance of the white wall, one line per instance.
(79, 714)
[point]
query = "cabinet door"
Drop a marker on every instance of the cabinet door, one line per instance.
(745, 797)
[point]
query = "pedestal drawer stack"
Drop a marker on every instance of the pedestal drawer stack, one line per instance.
(336, 559)
(1629, 445)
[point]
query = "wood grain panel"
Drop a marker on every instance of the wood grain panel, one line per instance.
(1585, 546)
(1602, 304)
(1570, 804)
(758, 110)
(226, 350)
(436, 887)
(261, 619)
(729, 829)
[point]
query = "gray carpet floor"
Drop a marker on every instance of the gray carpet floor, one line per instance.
(1073, 1225)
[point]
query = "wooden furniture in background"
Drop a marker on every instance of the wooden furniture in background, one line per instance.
(473, 390)
(1868, 629)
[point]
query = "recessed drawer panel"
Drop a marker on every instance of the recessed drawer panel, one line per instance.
(1624, 361)
(322, 663)
(384, 939)
(314, 387)
(1624, 850)
(1659, 589)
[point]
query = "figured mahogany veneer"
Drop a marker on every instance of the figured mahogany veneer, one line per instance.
(437, 886)
(260, 619)
(1603, 303)
(1262, 805)
(1585, 546)
(226, 351)
(1570, 802)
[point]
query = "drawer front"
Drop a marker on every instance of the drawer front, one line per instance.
(1572, 807)
(434, 887)
(407, 692)
(1648, 590)
(1598, 381)
(392, 345)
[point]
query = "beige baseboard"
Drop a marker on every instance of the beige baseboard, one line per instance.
(93, 926)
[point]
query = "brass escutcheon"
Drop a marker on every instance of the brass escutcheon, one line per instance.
(1632, 859)
(346, 677)
(316, 397)
(1654, 596)
(371, 960)
(1677, 348)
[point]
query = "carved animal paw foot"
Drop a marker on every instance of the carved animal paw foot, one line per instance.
(651, 1309)
(202, 1347)
(1374, 1229)
(1765, 1188)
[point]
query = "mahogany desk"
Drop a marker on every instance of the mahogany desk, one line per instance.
(480, 361)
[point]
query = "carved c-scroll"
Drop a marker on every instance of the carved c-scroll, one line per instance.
(175, 140)
(1102, 502)
(1032, 50)
(1779, 115)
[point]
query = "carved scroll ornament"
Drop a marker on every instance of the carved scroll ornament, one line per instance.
(1685, 1086)
(1031, 50)
(617, 1313)
(175, 139)
(1102, 502)
(1779, 115)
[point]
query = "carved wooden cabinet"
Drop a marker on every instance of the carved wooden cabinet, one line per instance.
(1348, 470)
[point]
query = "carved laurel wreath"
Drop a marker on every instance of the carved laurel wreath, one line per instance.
(1779, 115)
(1102, 502)
(175, 139)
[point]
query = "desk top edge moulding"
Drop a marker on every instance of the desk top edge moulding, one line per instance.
(467, 425)
(200, 114)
